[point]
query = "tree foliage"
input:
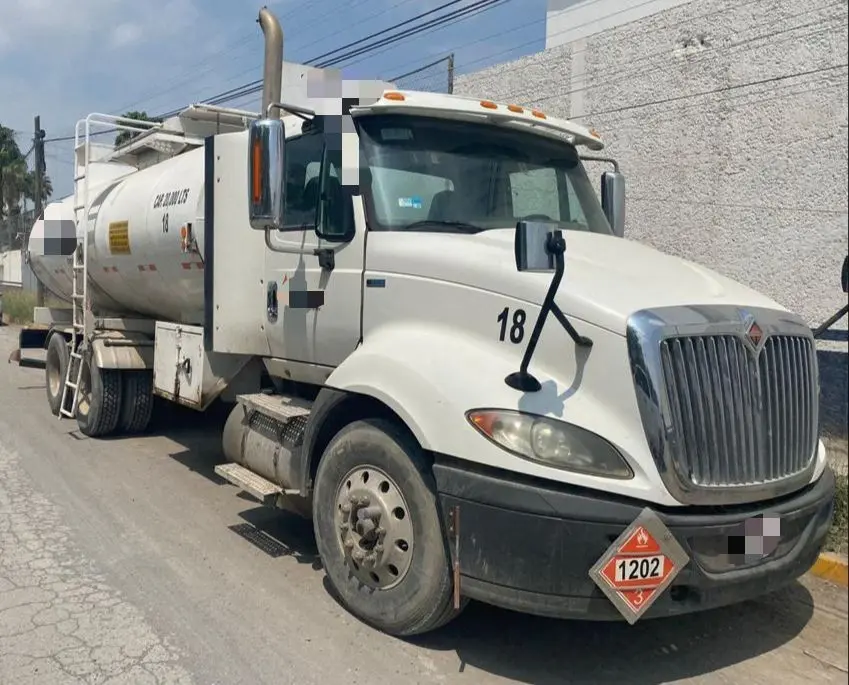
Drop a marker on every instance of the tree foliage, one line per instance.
(125, 137)
(17, 181)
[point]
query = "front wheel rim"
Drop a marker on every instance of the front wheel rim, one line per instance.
(374, 527)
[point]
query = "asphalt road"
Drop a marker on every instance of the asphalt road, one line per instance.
(128, 561)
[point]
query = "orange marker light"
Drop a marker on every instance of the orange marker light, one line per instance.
(257, 172)
(398, 97)
(538, 114)
(515, 108)
(488, 104)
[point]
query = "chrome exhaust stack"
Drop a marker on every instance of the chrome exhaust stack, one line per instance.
(272, 71)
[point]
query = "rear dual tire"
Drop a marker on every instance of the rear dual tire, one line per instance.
(55, 370)
(110, 400)
(99, 399)
(136, 401)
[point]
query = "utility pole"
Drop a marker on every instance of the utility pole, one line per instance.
(451, 73)
(40, 168)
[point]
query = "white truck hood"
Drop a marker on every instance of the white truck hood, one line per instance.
(606, 279)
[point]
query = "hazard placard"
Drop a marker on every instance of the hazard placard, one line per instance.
(639, 565)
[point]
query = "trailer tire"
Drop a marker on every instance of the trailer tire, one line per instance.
(136, 401)
(55, 370)
(99, 403)
(410, 591)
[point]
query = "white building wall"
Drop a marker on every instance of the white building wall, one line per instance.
(570, 20)
(729, 118)
(10, 267)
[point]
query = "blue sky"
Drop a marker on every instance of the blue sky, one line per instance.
(63, 59)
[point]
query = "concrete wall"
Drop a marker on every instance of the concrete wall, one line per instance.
(730, 120)
(14, 272)
(569, 20)
(10, 267)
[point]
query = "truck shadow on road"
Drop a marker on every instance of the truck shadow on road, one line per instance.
(529, 649)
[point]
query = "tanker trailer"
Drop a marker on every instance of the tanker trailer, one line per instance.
(464, 408)
(159, 272)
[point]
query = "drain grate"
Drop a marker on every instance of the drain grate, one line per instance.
(261, 540)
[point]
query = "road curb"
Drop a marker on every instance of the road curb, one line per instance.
(832, 567)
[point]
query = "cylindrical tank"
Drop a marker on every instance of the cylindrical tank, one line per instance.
(145, 243)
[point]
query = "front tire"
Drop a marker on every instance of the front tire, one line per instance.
(99, 400)
(378, 530)
(55, 370)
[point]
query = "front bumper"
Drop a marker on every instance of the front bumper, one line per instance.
(528, 545)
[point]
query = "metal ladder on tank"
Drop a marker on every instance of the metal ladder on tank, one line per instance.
(80, 321)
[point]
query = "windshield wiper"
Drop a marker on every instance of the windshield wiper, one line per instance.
(445, 226)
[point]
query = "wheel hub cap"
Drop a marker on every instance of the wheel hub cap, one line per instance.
(375, 529)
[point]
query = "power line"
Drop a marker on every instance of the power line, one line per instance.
(457, 17)
(449, 17)
(747, 99)
(421, 69)
(703, 58)
(721, 89)
(249, 38)
(706, 56)
(513, 29)
(255, 86)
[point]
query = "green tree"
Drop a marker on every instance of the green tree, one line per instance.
(125, 137)
(17, 182)
(12, 166)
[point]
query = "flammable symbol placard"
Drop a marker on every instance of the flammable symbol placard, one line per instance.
(639, 565)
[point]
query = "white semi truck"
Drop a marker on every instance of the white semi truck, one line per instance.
(456, 365)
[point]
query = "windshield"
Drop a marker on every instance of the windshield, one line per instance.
(425, 173)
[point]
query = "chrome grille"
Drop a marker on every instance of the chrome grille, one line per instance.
(736, 418)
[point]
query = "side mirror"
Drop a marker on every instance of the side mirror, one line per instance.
(613, 200)
(266, 174)
(531, 245)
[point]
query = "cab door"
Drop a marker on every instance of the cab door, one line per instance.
(314, 288)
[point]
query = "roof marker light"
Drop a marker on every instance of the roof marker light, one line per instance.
(516, 108)
(393, 95)
(538, 114)
(488, 104)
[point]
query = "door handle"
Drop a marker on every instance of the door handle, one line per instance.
(271, 301)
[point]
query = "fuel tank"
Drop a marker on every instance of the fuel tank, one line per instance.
(145, 238)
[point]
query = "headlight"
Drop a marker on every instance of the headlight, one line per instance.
(550, 442)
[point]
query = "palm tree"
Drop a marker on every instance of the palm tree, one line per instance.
(29, 187)
(17, 182)
(125, 137)
(12, 171)
(13, 185)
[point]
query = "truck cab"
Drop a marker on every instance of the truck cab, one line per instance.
(423, 300)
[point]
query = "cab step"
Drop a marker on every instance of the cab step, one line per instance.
(264, 490)
(279, 407)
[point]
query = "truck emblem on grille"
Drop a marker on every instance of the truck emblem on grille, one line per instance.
(754, 334)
